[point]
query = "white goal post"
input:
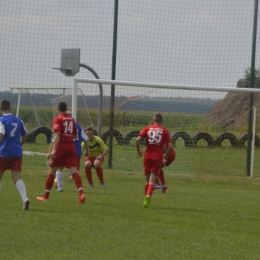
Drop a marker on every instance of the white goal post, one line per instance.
(162, 86)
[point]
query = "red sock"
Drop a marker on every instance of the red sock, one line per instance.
(48, 185)
(150, 189)
(78, 182)
(157, 182)
(145, 189)
(89, 174)
(100, 174)
(161, 177)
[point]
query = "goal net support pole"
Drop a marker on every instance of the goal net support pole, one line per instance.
(253, 142)
(74, 100)
(18, 104)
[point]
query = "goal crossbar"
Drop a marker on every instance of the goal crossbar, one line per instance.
(164, 86)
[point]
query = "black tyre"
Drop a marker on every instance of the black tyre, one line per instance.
(186, 137)
(116, 134)
(226, 136)
(40, 130)
(244, 137)
(130, 135)
(205, 136)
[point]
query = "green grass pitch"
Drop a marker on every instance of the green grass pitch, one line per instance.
(199, 217)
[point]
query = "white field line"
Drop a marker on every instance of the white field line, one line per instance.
(33, 153)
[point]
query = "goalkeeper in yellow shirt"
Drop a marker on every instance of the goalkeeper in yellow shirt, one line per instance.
(97, 152)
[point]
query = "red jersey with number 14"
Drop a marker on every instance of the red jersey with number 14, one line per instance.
(66, 125)
(156, 136)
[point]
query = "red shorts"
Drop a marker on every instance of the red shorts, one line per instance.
(92, 159)
(10, 164)
(171, 158)
(65, 156)
(153, 166)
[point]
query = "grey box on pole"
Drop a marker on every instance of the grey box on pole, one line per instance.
(70, 60)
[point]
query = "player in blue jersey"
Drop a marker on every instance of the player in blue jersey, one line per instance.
(82, 137)
(12, 136)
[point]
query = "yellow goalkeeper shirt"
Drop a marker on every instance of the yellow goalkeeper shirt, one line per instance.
(96, 146)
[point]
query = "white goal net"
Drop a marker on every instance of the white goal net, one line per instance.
(38, 106)
(208, 126)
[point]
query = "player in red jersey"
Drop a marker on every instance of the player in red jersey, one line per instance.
(63, 152)
(156, 136)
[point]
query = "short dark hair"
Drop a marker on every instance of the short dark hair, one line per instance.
(5, 105)
(90, 128)
(62, 106)
(157, 118)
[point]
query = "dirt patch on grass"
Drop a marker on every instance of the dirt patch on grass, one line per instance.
(233, 110)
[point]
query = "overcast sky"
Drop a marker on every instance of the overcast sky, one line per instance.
(202, 42)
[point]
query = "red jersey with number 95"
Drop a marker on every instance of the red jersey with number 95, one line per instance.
(156, 136)
(66, 125)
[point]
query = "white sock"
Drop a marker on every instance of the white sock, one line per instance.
(60, 180)
(22, 190)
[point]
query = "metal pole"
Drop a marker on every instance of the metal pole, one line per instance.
(100, 96)
(18, 104)
(253, 144)
(74, 100)
(251, 95)
(113, 77)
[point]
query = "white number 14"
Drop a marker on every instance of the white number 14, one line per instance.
(68, 127)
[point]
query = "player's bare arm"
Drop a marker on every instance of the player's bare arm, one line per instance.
(104, 153)
(24, 138)
(137, 145)
(1, 137)
(49, 152)
(87, 148)
(170, 148)
(56, 140)
(101, 156)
